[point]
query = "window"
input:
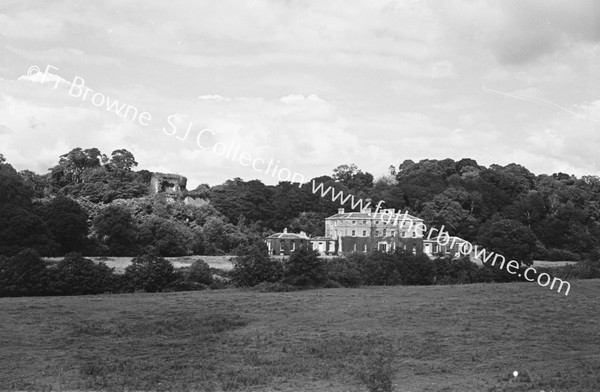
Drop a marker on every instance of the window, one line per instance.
(355, 247)
(414, 234)
(353, 222)
(385, 232)
(435, 249)
(383, 247)
(364, 233)
(293, 246)
(393, 233)
(282, 246)
(364, 222)
(365, 248)
(376, 233)
(353, 233)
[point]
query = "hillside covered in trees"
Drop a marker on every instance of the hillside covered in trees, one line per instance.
(100, 205)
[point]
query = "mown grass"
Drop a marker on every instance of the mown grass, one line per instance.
(440, 338)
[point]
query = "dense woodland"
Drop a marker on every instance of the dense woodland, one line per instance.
(100, 205)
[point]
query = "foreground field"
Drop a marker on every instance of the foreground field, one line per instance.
(441, 338)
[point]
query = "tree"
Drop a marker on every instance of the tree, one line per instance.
(312, 223)
(345, 271)
(20, 227)
(150, 273)
(76, 275)
(253, 266)
(200, 273)
(22, 274)
(304, 268)
(169, 238)
(67, 223)
(115, 229)
(36, 182)
(353, 178)
(122, 160)
(510, 239)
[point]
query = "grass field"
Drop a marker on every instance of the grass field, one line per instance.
(439, 338)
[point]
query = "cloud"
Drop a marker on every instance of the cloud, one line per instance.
(214, 97)
(299, 98)
(5, 130)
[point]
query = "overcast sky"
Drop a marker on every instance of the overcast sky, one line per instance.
(311, 84)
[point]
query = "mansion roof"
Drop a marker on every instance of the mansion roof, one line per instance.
(372, 216)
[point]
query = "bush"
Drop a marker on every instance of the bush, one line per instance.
(381, 269)
(76, 275)
(416, 269)
(346, 272)
(169, 238)
(23, 275)
(150, 273)
(304, 268)
(200, 273)
(253, 266)
(449, 270)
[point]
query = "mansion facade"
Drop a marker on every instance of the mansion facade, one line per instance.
(383, 231)
(366, 232)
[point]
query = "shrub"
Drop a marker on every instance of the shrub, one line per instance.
(304, 268)
(416, 269)
(344, 271)
(380, 269)
(150, 273)
(169, 238)
(76, 275)
(449, 270)
(22, 275)
(200, 273)
(253, 266)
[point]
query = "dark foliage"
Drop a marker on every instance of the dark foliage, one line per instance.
(116, 230)
(67, 223)
(253, 266)
(76, 275)
(24, 274)
(150, 273)
(304, 268)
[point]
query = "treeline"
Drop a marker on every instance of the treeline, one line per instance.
(98, 205)
(305, 269)
(27, 274)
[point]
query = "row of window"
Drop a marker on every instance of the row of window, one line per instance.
(384, 247)
(364, 222)
(384, 233)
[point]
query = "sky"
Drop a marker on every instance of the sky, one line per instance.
(305, 85)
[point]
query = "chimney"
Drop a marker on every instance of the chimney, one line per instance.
(285, 230)
(340, 210)
(367, 210)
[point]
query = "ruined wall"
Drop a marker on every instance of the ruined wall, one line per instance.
(171, 184)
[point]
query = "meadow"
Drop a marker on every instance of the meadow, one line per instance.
(433, 338)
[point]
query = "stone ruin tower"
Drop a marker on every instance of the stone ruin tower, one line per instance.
(173, 185)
